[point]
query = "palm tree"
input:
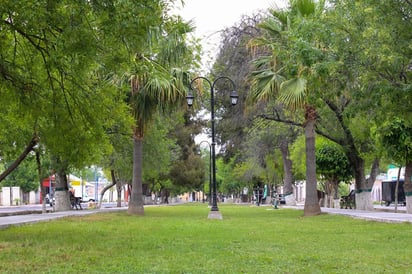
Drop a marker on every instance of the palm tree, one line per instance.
(155, 85)
(280, 74)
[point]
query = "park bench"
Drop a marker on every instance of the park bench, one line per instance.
(75, 202)
(348, 201)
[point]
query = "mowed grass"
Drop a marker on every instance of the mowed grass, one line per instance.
(180, 239)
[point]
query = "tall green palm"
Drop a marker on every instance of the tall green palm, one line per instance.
(156, 84)
(283, 75)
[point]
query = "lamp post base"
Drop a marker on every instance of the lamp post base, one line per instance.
(215, 215)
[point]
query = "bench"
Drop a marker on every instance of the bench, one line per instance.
(75, 202)
(348, 201)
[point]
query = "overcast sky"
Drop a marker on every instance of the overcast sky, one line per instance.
(212, 16)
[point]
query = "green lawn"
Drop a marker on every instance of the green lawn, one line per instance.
(180, 239)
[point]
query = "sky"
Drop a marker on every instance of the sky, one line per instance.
(212, 16)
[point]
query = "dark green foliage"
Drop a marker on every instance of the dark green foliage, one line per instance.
(49, 58)
(332, 163)
(396, 138)
(25, 176)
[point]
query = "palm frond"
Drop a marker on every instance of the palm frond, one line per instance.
(281, 15)
(262, 62)
(273, 26)
(265, 84)
(161, 89)
(304, 7)
(293, 93)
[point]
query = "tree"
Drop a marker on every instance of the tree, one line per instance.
(237, 129)
(283, 73)
(187, 170)
(160, 148)
(29, 148)
(332, 165)
(265, 140)
(396, 138)
(228, 183)
(48, 63)
(24, 176)
(155, 85)
(233, 61)
(352, 92)
(367, 72)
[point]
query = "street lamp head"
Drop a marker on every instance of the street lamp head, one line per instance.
(233, 97)
(190, 98)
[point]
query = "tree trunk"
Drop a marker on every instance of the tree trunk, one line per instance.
(136, 203)
(61, 192)
(364, 186)
(362, 197)
(311, 202)
(118, 188)
(336, 200)
(407, 186)
(104, 191)
(363, 190)
(329, 193)
(42, 188)
(290, 199)
(20, 159)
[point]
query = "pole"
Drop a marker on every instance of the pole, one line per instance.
(212, 113)
(210, 175)
(96, 186)
(50, 190)
(214, 210)
(210, 170)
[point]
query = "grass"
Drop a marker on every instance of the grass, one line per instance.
(180, 239)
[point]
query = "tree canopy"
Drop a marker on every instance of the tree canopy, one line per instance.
(94, 83)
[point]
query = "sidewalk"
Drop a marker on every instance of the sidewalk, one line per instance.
(380, 214)
(20, 216)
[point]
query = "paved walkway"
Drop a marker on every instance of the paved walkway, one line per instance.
(380, 214)
(20, 215)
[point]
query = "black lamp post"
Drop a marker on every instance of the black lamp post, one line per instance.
(233, 96)
(210, 170)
